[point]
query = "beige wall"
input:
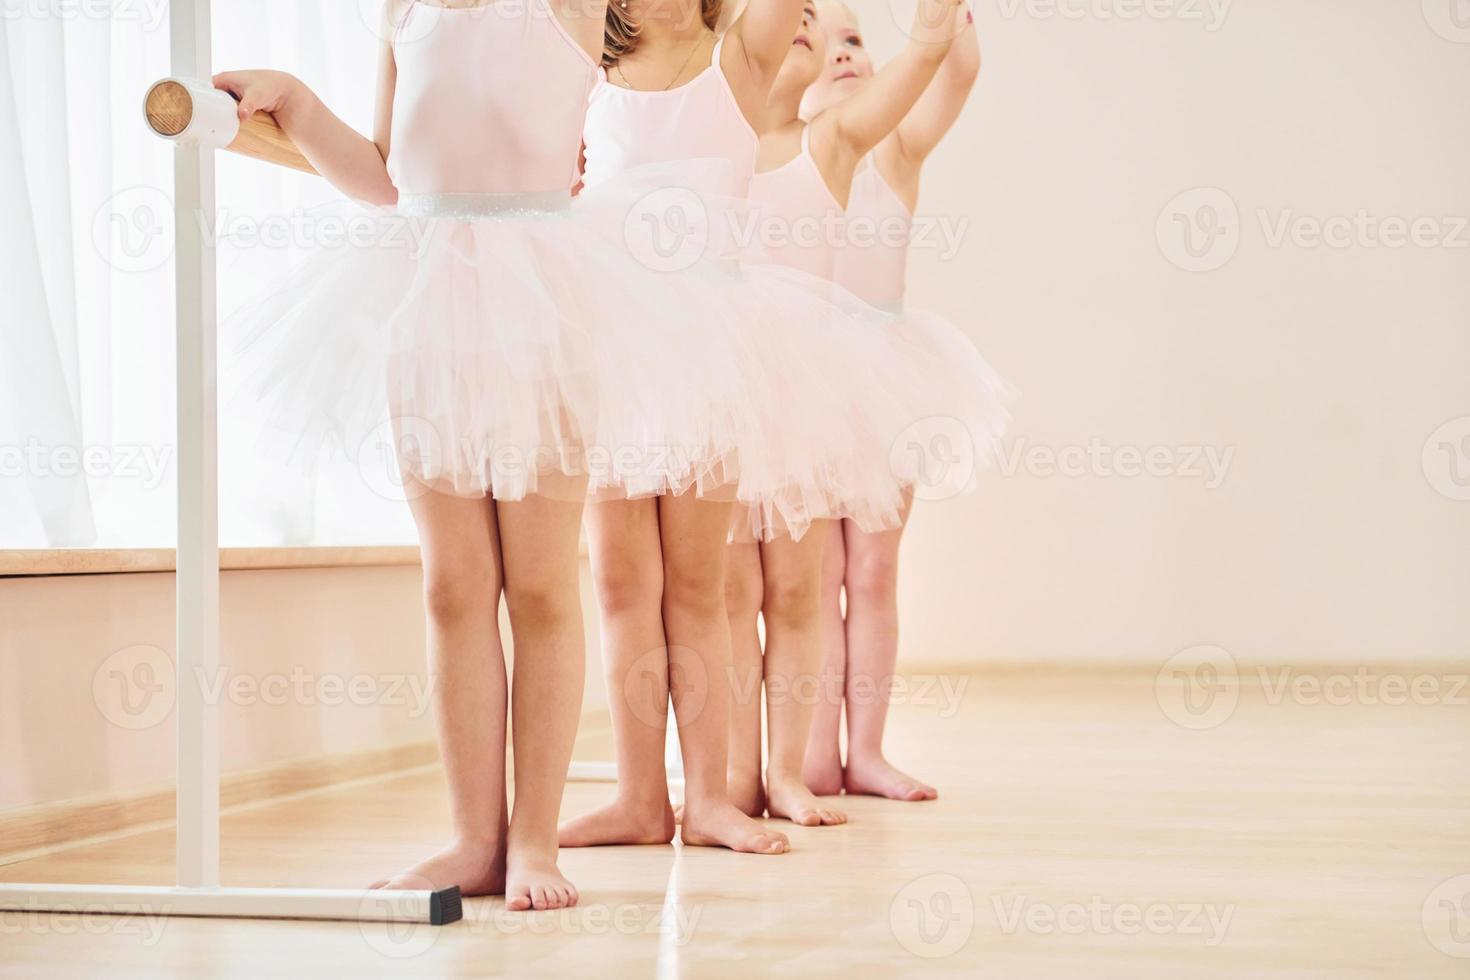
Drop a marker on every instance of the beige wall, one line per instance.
(1324, 369)
(316, 661)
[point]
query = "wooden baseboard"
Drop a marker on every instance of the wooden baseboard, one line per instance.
(27, 830)
(35, 562)
(1139, 665)
(20, 562)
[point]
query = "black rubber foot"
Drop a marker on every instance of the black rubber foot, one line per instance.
(445, 906)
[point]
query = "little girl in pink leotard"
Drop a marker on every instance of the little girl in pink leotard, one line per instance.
(860, 638)
(804, 175)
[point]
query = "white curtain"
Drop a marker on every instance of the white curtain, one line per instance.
(53, 300)
(86, 287)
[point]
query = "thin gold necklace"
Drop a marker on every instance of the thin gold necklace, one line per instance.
(698, 43)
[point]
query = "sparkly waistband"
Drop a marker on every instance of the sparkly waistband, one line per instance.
(469, 206)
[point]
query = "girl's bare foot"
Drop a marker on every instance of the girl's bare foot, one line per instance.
(620, 822)
(746, 793)
(821, 770)
(787, 797)
(534, 882)
(722, 825)
(873, 776)
(478, 869)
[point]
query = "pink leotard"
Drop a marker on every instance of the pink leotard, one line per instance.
(873, 259)
(489, 100)
(627, 128)
(800, 221)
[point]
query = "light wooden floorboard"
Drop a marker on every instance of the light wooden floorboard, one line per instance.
(1313, 834)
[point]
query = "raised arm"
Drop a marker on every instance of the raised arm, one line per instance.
(353, 164)
(758, 39)
(860, 122)
(942, 102)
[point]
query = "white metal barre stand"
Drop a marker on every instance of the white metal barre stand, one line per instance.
(607, 772)
(198, 892)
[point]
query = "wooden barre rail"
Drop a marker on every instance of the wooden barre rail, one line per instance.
(172, 105)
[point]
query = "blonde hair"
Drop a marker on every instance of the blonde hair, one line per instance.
(620, 30)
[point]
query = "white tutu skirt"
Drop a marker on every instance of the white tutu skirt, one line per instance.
(508, 345)
(958, 406)
(926, 414)
(856, 408)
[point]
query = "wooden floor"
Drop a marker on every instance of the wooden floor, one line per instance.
(1080, 833)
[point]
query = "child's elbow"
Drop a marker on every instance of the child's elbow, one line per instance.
(967, 60)
(967, 72)
(383, 195)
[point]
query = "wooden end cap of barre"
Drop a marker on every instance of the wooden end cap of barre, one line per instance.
(169, 107)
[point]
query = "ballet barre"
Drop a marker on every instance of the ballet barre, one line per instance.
(191, 114)
(200, 119)
(191, 111)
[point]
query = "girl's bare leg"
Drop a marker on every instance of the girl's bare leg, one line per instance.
(462, 580)
(694, 533)
(744, 591)
(538, 540)
(628, 575)
(792, 610)
(872, 652)
(822, 768)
